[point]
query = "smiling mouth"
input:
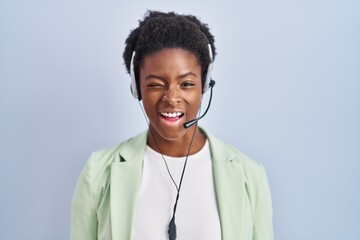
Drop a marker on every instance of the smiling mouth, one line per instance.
(172, 116)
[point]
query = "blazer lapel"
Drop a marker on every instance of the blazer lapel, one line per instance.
(124, 185)
(231, 193)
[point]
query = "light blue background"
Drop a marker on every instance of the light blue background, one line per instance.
(287, 94)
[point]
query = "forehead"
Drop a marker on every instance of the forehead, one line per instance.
(170, 58)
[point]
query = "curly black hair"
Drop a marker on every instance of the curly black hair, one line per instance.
(159, 30)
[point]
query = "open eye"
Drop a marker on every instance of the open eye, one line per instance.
(188, 84)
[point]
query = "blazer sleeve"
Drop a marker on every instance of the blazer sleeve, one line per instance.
(83, 213)
(263, 226)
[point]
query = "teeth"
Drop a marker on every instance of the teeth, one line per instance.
(169, 114)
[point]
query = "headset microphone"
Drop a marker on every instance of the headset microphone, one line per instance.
(192, 122)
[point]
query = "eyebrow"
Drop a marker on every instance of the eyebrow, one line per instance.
(153, 76)
(161, 78)
(187, 74)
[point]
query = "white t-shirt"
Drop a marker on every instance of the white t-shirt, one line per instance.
(197, 215)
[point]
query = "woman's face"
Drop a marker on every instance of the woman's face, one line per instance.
(171, 90)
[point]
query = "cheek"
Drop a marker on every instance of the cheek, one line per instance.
(196, 102)
(150, 107)
(150, 103)
(147, 103)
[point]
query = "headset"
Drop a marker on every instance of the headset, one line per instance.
(133, 86)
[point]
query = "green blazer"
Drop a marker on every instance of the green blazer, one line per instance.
(104, 201)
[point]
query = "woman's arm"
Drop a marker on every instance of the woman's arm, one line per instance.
(263, 226)
(83, 214)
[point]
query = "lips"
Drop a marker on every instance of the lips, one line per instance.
(172, 116)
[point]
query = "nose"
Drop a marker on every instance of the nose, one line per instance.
(172, 96)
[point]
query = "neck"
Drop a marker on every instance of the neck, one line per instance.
(177, 147)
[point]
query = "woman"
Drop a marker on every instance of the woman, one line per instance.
(174, 181)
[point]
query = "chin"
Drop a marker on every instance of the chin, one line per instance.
(172, 135)
(169, 134)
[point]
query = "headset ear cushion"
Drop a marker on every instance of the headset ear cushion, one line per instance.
(133, 91)
(208, 78)
(209, 69)
(133, 86)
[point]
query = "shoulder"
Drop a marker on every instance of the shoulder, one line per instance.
(252, 168)
(97, 168)
(226, 154)
(94, 180)
(103, 158)
(237, 165)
